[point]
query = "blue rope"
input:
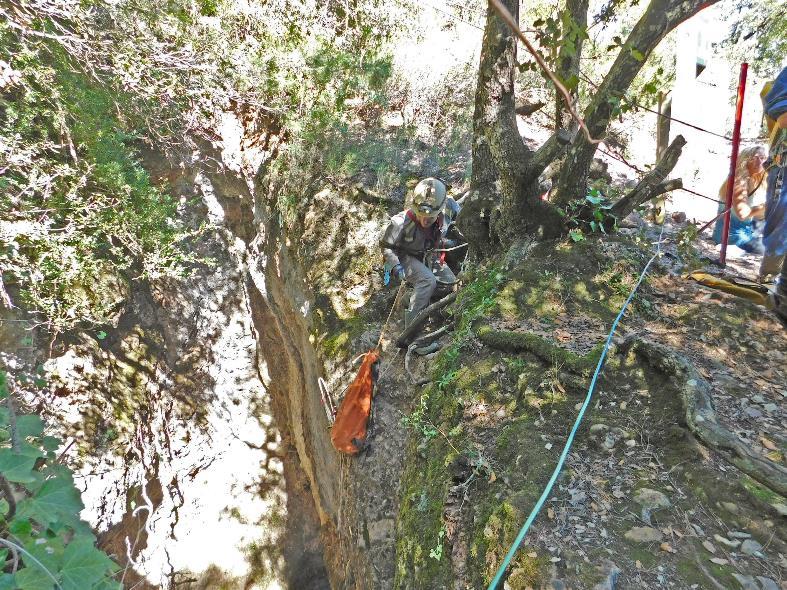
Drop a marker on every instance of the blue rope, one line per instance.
(537, 508)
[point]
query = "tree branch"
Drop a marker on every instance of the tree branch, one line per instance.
(511, 22)
(549, 151)
(652, 184)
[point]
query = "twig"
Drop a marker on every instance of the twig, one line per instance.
(5, 487)
(15, 446)
(509, 20)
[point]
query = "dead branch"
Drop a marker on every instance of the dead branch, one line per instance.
(418, 320)
(652, 184)
(8, 494)
(700, 415)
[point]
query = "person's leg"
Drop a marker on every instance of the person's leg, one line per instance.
(769, 267)
(422, 280)
(445, 279)
(780, 290)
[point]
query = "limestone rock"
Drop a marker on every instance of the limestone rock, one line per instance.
(651, 499)
(746, 582)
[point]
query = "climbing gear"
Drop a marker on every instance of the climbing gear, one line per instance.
(350, 429)
(429, 197)
(751, 291)
(327, 402)
(348, 434)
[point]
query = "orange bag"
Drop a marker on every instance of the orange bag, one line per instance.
(349, 429)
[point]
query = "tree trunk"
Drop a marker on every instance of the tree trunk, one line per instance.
(659, 19)
(568, 61)
(501, 203)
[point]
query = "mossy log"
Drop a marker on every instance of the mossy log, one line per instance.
(700, 415)
(507, 341)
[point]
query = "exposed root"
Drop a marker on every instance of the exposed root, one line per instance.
(700, 414)
(544, 349)
(418, 320)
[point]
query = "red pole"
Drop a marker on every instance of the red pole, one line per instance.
(736, 140)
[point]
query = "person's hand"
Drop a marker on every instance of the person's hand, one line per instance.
(398, 272)
(758, 212)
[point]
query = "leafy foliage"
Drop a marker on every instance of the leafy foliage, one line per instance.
(78, 214)
(53, 543)
(588, 215)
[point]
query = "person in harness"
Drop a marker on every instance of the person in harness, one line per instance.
(775, 230)
(409, 242)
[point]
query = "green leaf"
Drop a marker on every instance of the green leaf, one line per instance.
(637, 55)
(29, 425)
(51, 443)
(8, 582)
(83, 565)
(539, 22)
(33, 577)
(16, 468)
(57, 498)
(576, 235)
(101, 334)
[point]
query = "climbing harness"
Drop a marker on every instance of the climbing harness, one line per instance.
(540, 503)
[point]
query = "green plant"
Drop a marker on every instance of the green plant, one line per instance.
(437, 551)
(43, 529)
(590, 215)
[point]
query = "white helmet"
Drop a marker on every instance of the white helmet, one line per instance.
(429, 197)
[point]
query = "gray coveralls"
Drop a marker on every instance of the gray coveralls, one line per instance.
(405, 242)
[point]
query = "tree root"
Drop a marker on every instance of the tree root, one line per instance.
(541, 347)
(700, 414)
(418, 320)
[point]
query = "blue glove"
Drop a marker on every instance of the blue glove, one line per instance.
(396, 270)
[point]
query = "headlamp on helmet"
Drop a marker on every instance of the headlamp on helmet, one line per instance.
(429, 198)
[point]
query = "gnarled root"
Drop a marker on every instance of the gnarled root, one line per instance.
(701, 416)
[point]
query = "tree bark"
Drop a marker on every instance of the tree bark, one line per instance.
(659, 19)
(652, 184)
(568, 61)
(498, 150)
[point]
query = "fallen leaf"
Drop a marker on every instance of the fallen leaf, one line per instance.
(638, 563)
(667, 547)
(768, 444)
(533, 554)
(550, 513)
(492, 477)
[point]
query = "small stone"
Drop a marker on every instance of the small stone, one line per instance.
(746, 582)
(609, 442)
(767, 583)
(596, 428)
(739, 535)
(750, 547)
(631, 443)
(771, 408)
(781, 508)
(652, 499)
(709, 546)
(752, 412)
(758, 399)
(719, 560)
(726, 542)
(644, 534)
(731, 507)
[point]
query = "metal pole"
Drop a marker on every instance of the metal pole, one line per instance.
(736, 140)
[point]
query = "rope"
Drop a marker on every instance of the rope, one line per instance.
(399, 294)
(537, 508)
